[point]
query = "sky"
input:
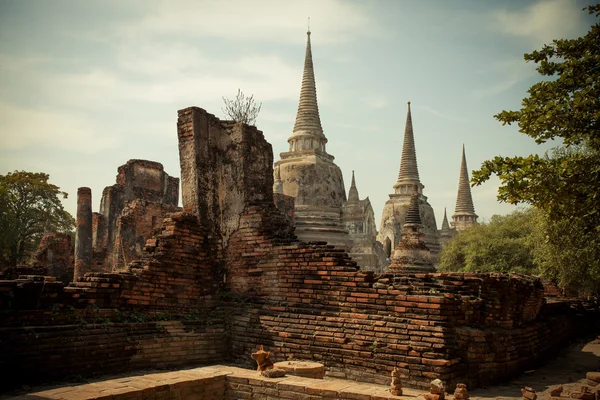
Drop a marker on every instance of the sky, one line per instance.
(87, 85)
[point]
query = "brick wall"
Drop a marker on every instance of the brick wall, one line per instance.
(137, 222)
(309, 301)
(42, 353)
(55, 254)
(224, 165)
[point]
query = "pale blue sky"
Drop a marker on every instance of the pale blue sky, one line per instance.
(87, 85)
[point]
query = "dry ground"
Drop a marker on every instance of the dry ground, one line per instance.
(567, 368)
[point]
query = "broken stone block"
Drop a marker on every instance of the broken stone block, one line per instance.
(583, 393)
(461, 393)
(436, 387)
(529, 393)
(273, 373)
(436, 390)
(593, 376)
(556, 391)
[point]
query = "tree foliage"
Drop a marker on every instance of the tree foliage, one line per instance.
(564, 184)
(505, 244)
(242, 108)
(29, 205)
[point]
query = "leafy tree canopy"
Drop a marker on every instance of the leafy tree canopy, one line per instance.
(29, 205)
(564, 184)
(566, 108)
(505, 244)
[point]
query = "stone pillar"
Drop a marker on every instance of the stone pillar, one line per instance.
(83, 233)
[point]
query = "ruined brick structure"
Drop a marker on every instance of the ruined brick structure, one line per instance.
(55, 254)
(130, 211)
(228, 274)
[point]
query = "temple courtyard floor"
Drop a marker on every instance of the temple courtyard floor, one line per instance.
(568, 367)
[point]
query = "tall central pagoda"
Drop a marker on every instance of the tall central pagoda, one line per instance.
(307, 172)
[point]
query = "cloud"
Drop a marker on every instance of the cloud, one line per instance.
(356, 126)
(505, 74)
(53, 129)
(441, 114)
(501, 86)
(272, 20)
(268, 77)
(10, 63)
(376, 101)
(542, 21)
(279, 117)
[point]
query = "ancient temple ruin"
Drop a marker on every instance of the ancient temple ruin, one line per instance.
(359, 218)
(308, 173)
(227, 274)
(464, 215)
(411, 254)
(395, 209)
(130, 211)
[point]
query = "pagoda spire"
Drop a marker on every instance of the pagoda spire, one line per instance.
(409, 172)
(445, 224)
(413, 216)
(464, 214)
(308, 132)
(353, 192)
(464, 200)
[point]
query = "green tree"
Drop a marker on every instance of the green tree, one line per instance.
(564, 184)
(29, 205)
(503, 245)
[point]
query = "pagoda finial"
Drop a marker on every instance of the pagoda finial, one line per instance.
(409, 172)
(308, 30)
(353, 192)
(445, 224)
(308, 119)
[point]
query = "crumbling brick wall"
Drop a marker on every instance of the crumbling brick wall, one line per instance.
(137, 222)
(129, 212)
(55, 254)
(310, 301)
(55, 352)
(224, 165)
(97, 325)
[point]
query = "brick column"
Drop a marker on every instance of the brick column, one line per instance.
(83, 233)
